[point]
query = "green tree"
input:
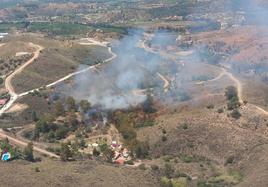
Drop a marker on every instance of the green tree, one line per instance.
(168, 170)
(72, 120)
(28, 152)
(59, 108)
(231, 92)
(1, 80)
(236, 114)
(65, 152)
(41, 126)
(96, 152)
(84, 105)
(107, 152)
(148, 105)
(165, 182)
(141, 149)
(34, 116)
(70, 102)
(61, 132)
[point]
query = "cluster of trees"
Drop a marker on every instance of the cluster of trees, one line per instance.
(125, 123)
(70, 105)
(69, 151)
(233, 103)
(12, 63)
(51, 131)
(172, 178)
(209, 55)
(148, 105)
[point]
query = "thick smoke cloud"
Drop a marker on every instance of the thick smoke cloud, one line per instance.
(121, 83)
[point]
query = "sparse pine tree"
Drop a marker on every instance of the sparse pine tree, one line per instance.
(84, 105)
(34, 116)
(70, 102)
(28, 152)
(65, 152)
(59, 109)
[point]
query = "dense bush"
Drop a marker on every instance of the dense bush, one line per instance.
(236, 114)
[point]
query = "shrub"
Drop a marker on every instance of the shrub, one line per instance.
(141, 149)
(230, 160)
(210, 106)
(142, 167)
(28, 152)
(96, 152)
(184, 126)
(130, 162)
(220, 110)
(37, 169)
(202, 183)
(148, 105)
(154, 167)
(233, 104)
(181, 182)
(167, 158)
(168, 170)
(236, 114)
(184, 175)
(165, 182)
(164, 138)
(231, 92)
(186, 158)
(65, 152)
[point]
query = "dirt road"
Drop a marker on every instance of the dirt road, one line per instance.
(166, 82)
(8, 85)
(224, 72)
(93, 42)
(238, 85)
(15, 96)
(18, 142)
(8, 80)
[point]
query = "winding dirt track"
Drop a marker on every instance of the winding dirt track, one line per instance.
(8, 80)
(224, 72)
(8, 85)
(78, 72)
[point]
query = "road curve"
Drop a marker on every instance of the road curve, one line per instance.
(8, 80)
(166, 82)
(8, 85)
(223, 72)
(93, 42)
